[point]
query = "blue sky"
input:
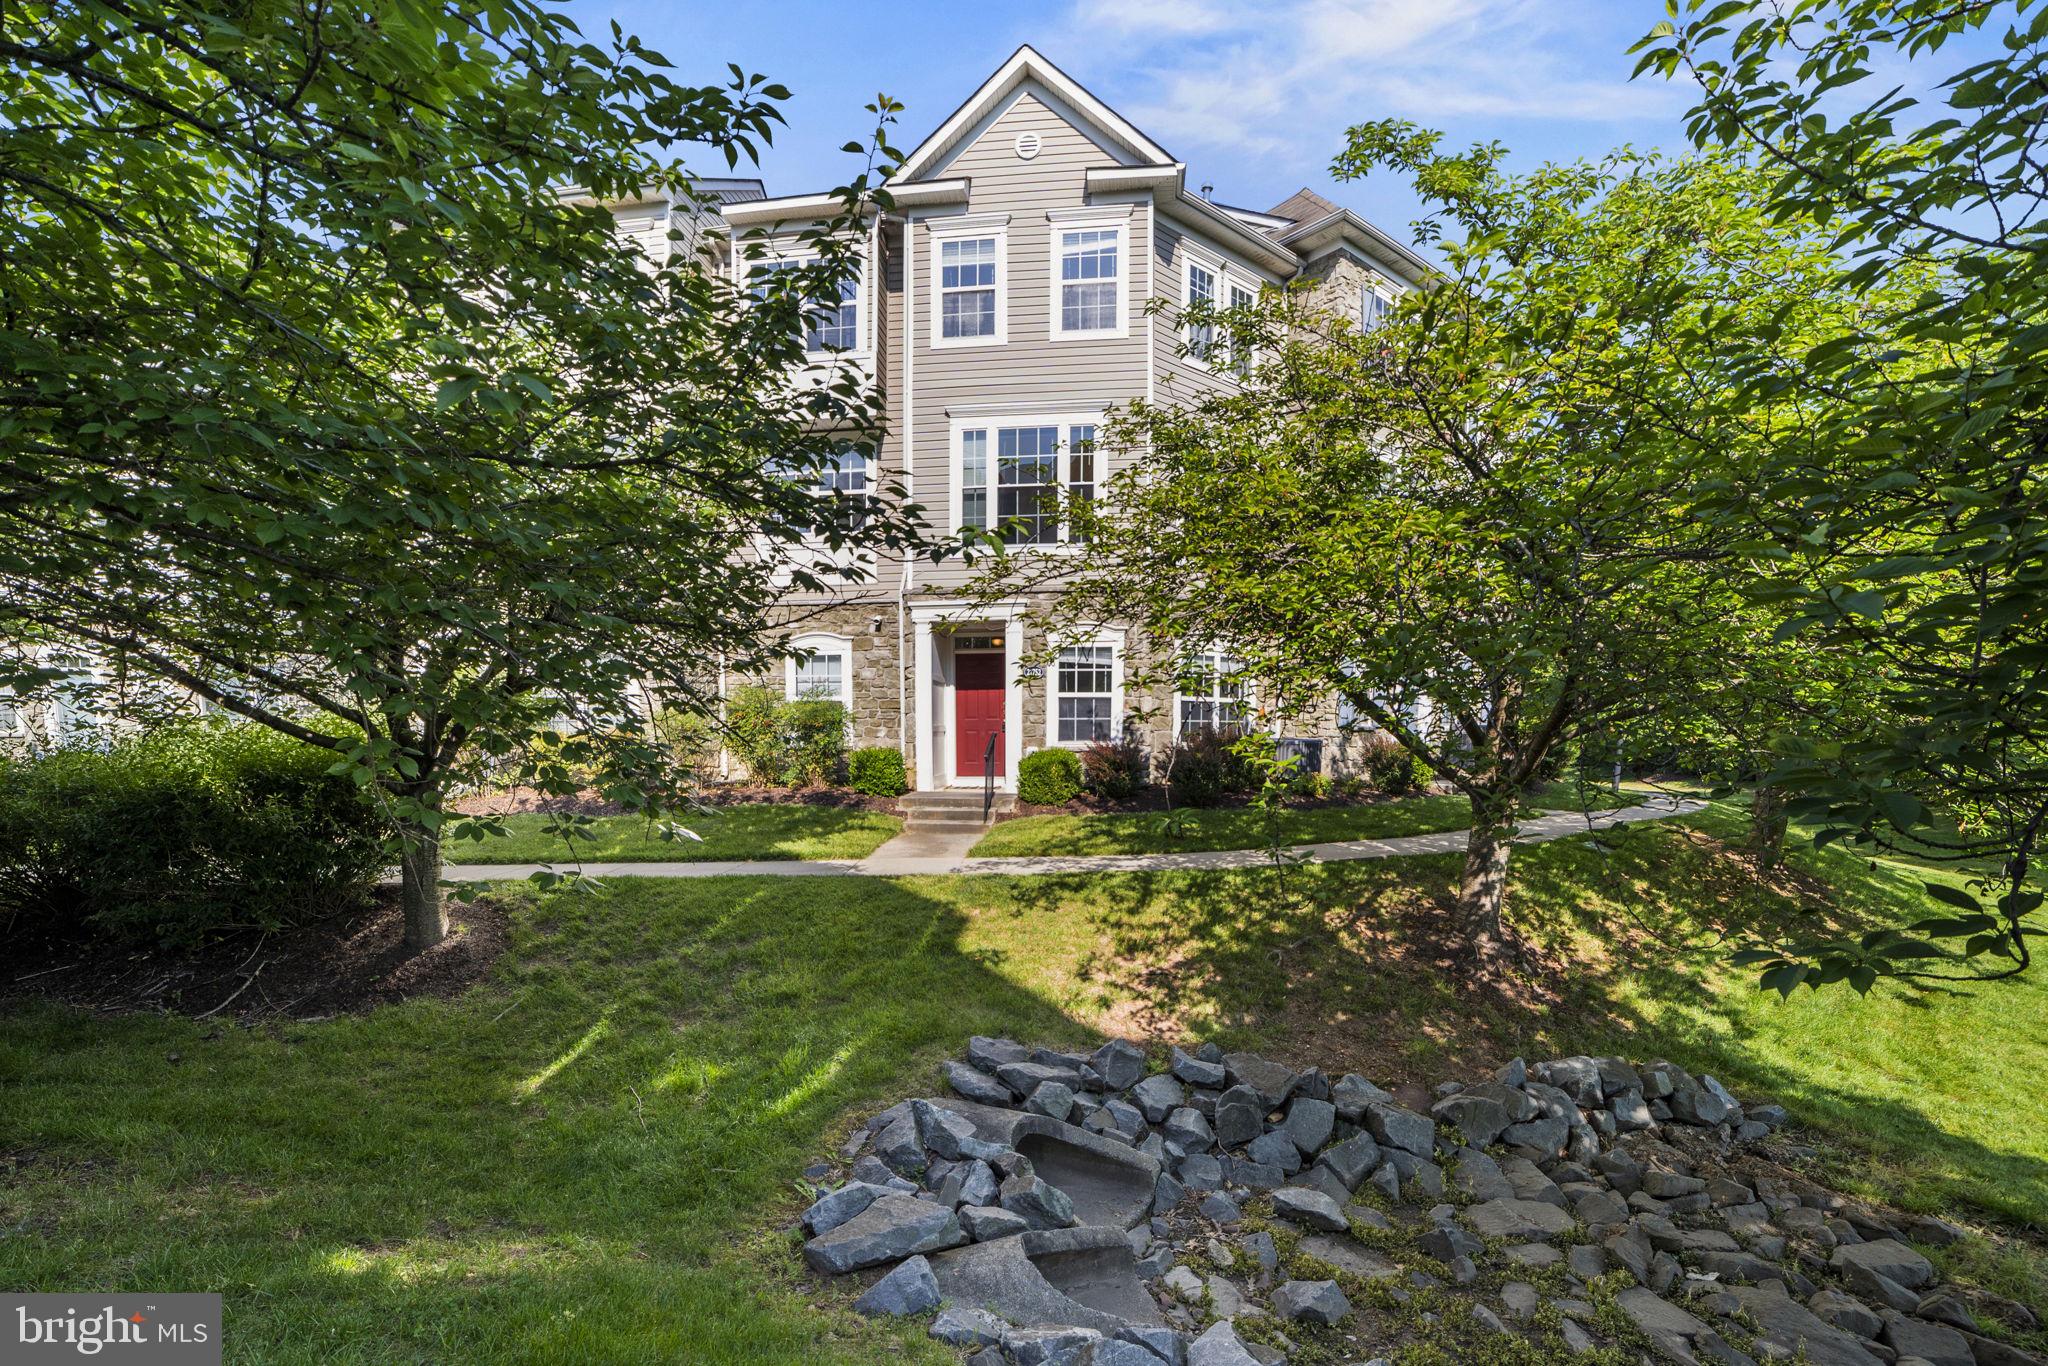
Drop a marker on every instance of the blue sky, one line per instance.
(1253, 95)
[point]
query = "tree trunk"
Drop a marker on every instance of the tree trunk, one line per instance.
(419, 888)
(1767, 822)
(1485, 883)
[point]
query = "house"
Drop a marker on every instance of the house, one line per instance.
(1003, 310)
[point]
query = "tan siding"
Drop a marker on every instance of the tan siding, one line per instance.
(1028, 367)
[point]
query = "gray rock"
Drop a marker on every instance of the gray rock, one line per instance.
(1737, 1266)
(1675, 1331)
(893, 1227)
(1221, 1208)
(1027, 1279)
(1352, 1093)
(1341, 1254)
(1225, 1301)
(1312, 1302)
(1201, 1172)
(1447, 1242)
(1053, 1099)
(1120, 1063)
(1038, 1203)
(1260, 1176)
(1585, 1261)
(1352, 1160)
(1220, 1346)
(1310, 1124)
(1888, 1258)
(834, 1208)
(1870, 1285)
(1936, 1343)
(964, 1326)
(1277, 1149)
(1482, 1113)
(1386, 1180)
(1576, 1339)
(974, 1183)
(1158, 1096)
(1163, 1343)
(1477, 1175)
(1396, 1127)
(1515, 1074)
(1026, 1077)
(1522, 1220)
(1790, 1328)
(1239, 1117)
(1184, 1285)
(986, 1223)
(1577, 1077)
(1845, 1312)
(947, 1133)
(1197, 1071)
(1186, 1127)
(898, 1146)
(1521, 1299)
(1546, 1135)
(1535, 1255)
(1601, 1208)
(1311, 1207)
(1320, 1177)
(976, 1085)
(1127, 1118)
(1056, 1346)
(1272, 1082)
(990, 1054)
(1664, 1185)
(1111, 1352)
(1945, 1306)
(908, 1289)
(1630, 1251)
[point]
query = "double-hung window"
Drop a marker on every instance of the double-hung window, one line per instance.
(1240, 350)
(1012, 477)
(821, 670)
(1090, 279)
(1084, 691)
(969, 282)
(827, 326)
(840, 473)
(1373, 307)
(1212, 694)
(1201, 290)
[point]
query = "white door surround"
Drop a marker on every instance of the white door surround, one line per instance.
(933, 625)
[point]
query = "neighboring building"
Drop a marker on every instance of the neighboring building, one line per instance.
(1003, 311)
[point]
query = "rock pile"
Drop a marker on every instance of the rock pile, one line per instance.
(1069, 1210)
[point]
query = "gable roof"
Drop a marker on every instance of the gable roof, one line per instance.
(1028, 64)
(1303, 206)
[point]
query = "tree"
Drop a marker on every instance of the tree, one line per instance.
(1910, 524)
(325, 397)
(1472, 503)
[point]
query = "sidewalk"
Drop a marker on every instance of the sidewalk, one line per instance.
(915, 856)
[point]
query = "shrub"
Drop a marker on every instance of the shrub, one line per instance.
(1113, 769)
(689, 739)
(1049, 777)
(786, 744)
(192, 829)
(877, 771)
(1205, 768)
(1391, 768)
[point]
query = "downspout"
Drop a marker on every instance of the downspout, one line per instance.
(903, 670)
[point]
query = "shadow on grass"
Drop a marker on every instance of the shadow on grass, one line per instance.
(586, 1160)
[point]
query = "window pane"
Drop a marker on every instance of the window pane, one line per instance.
(1088, 274)
(1201, 290)
(974, 479)
(968, 313)
(1083, 684)
(821, 678)
(1088, 308)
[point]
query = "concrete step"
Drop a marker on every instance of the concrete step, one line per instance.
(960, 809)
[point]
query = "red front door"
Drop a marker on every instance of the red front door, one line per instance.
(977, 712)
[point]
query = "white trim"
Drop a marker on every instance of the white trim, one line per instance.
(1247, 701)
(821, 643)
(1027, 64)
(1007, 616)
(1056, 250)
(994, 227)
(1031, 417)
(1022, 408)
(1091, 213)
(791, 254)
(796, 208)
(1218, 284)
(1114, 639)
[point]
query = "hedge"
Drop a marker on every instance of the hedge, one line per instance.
(192, 829)
(1049, 777)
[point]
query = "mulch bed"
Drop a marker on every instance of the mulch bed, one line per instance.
(520, 800)
(1152, 800)
(342, 964)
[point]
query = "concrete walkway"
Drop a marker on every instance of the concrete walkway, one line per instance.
(929, 852)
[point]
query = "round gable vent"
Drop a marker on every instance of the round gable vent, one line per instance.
(1028, 145)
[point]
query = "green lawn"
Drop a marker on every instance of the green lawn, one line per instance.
(593, 1156)
(1162, 832)
(732, 832)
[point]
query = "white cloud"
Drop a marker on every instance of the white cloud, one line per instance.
(1282, 78)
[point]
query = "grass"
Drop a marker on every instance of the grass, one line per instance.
(592, 1157)
(1234, 828)
(766, 831)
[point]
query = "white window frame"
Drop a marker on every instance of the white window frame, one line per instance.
(1373, 289)
(1114, 219)
(1216, 658)
(822, 643)
(1063, 481)
(1218, 282)
(863, 320)
(1242, 357)
(1113, 641)
(963, 228)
